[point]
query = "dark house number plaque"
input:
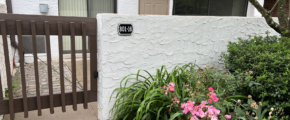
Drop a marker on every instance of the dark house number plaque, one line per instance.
(125, 29)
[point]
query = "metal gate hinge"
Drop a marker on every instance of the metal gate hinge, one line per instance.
(96, 74)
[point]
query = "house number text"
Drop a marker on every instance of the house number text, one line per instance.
(125, 29)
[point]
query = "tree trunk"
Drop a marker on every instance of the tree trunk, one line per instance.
(284, 22)
(283, 17)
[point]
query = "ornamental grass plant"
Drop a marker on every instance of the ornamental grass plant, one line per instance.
(188, 92)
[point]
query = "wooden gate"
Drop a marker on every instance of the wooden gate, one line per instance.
(19, 25)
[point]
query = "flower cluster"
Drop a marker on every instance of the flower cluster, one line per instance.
(255, 105)
(197, 111)
(169, 88)
(175, 100)
(212, 96)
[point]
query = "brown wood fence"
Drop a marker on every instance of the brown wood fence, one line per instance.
(19, 25)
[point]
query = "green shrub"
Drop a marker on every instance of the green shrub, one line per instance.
(149, 97)
(267, 60)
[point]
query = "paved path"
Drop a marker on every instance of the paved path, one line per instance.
(43, 77)
(81, 114)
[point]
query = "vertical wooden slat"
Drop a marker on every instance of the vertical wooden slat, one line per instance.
(8, 70)
(48, 51)
(85, 81)
(60, 43)
(73, 65)
(33, 31)
(23, 80)
(9, 6)
(1, 91)
(93, 65)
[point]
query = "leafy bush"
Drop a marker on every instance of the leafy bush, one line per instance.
(167, 95)
(267, 60)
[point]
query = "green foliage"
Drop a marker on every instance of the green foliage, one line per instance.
(277, 114)
(15, 86)
(267, 61)
(143, 96)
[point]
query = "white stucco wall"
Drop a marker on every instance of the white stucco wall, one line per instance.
(170, 7)
(32, 7)
(132, 6)
(163, 40)
(123, 7)
(127, 6)
(3, 1)
(252, 11)
(3, 9)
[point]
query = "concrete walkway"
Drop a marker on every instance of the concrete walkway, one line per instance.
(80, 114)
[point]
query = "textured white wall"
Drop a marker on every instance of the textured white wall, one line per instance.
(163, 40)
(32, 7)
(127, 6)
(170, 7)
(132, 7)
(252, 11)
(3, 1)
(3, 9)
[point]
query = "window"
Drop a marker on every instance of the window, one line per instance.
(86, 8)
(83, 8)
(210, 7)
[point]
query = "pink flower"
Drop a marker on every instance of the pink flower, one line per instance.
(198, 82)
(194, 118)
(185, 111)
(228, 116)
(171, 88)
(183, 105)
(210, 89)
(216, 111)
(171, 84)
(209, 100)
(164, 87)
(190, 103)
(201, 113)
(215, 99)
(204, 66)
(160, 87)
(203, 103)
(186, 85)
(187, 106)
(210, 111)
(175, 100)
(214, 118)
